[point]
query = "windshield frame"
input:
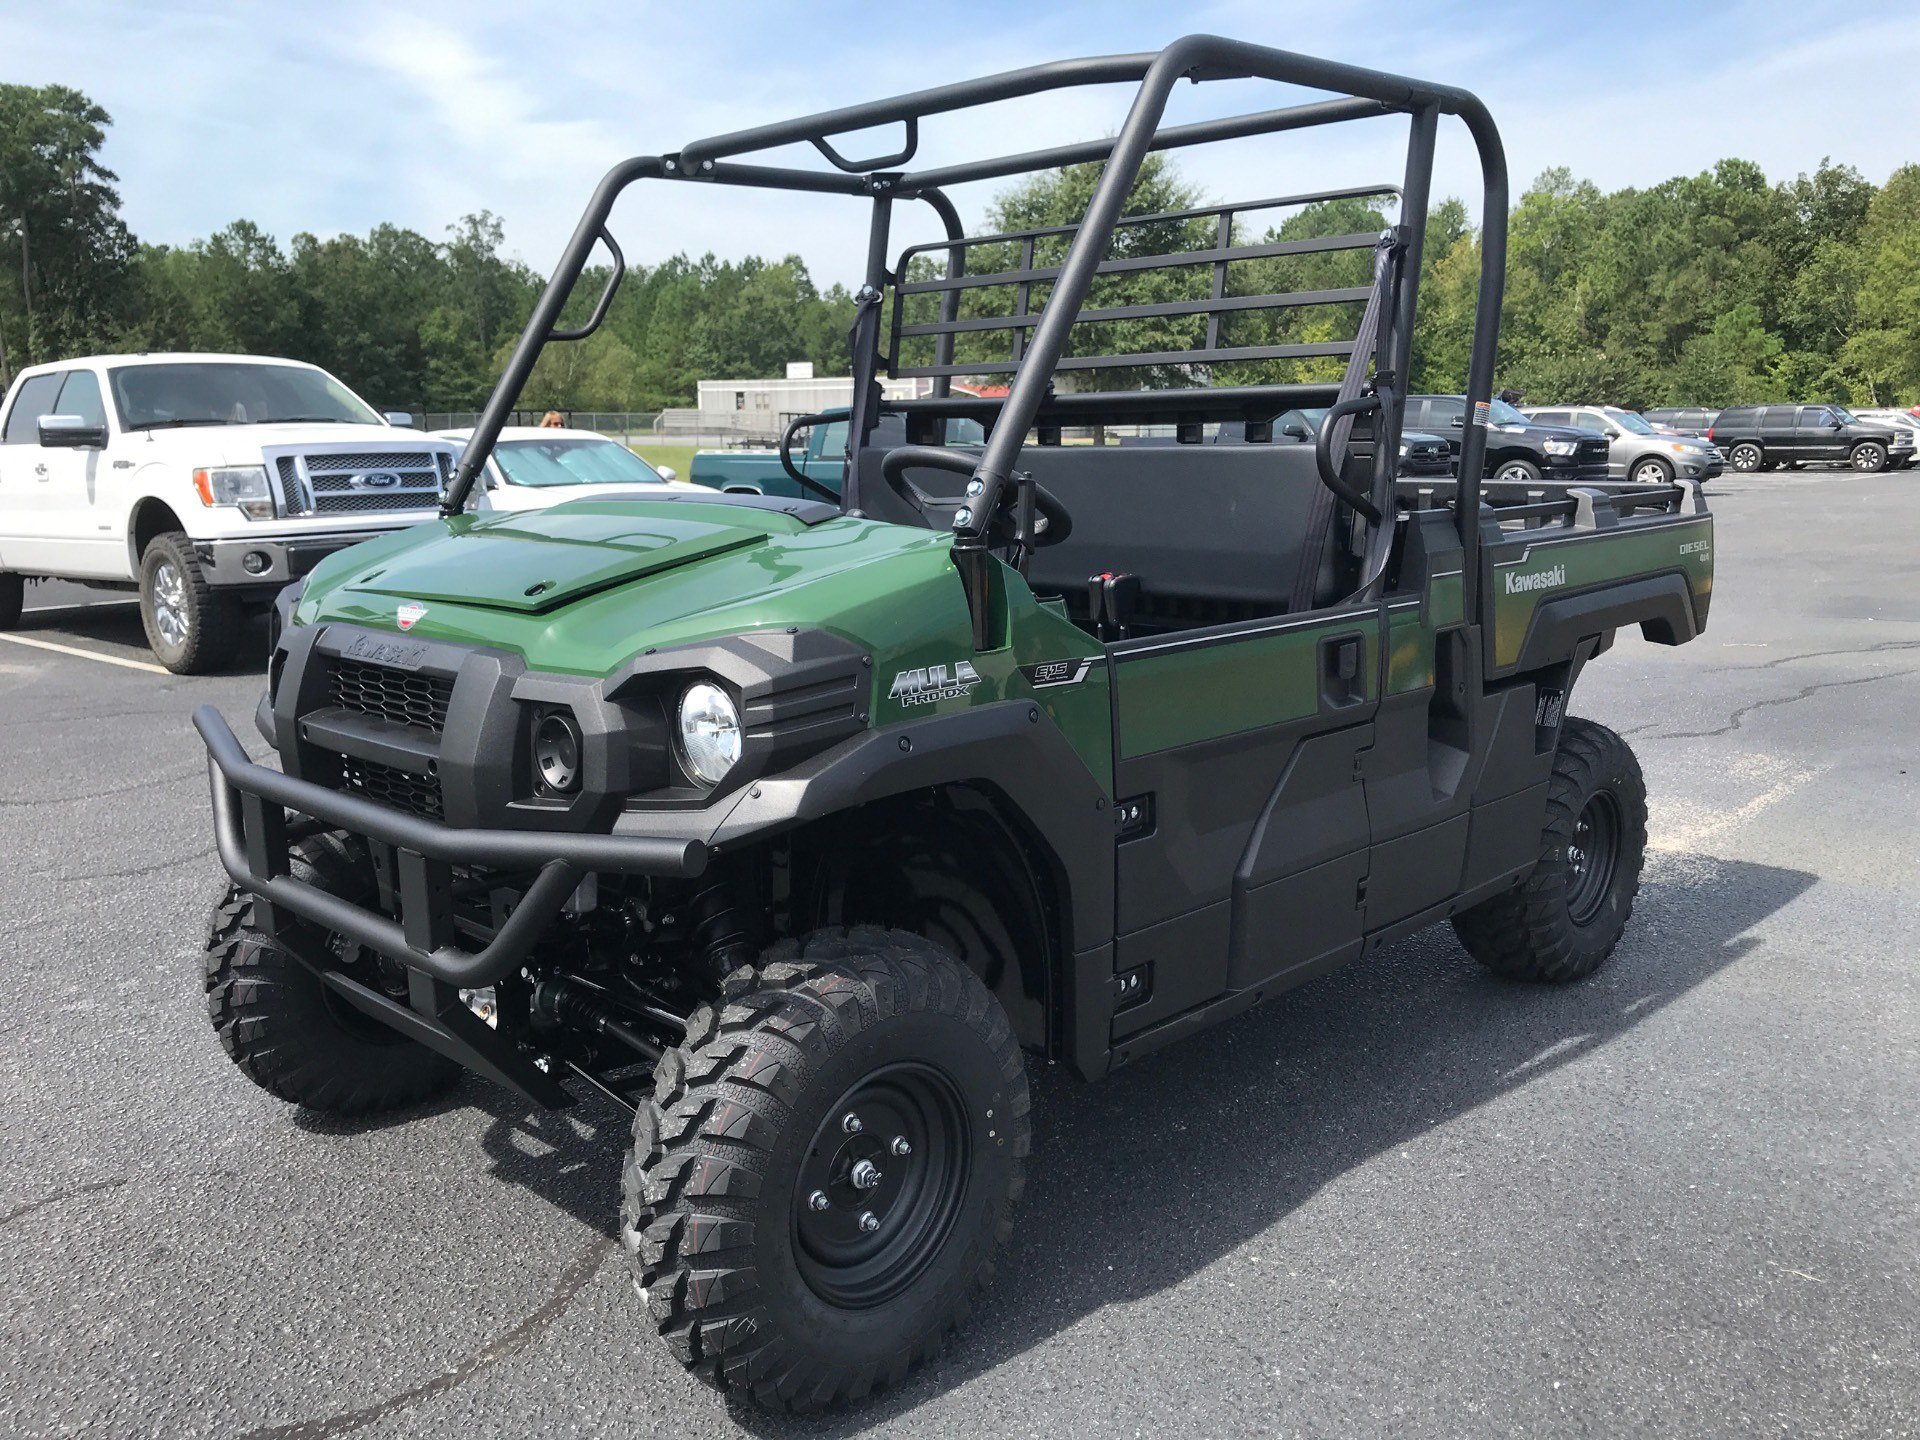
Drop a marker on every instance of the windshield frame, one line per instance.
(120, 378)
(1632, 421)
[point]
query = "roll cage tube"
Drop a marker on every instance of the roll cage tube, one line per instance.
(881, 180)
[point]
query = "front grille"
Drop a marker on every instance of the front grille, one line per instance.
(401, 696)
(1593, 450)
(402, 789)
(336, 482)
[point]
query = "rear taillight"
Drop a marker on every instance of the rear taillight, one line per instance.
(1709, 432)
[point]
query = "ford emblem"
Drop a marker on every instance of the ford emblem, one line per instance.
(374, 480)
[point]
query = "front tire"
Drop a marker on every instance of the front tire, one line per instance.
(1745, 457)
(1869, 457)
(1651, 471)
(288, 1032)
(1517, 472)
(771, 1261)
(191, 627)
(1565, 918)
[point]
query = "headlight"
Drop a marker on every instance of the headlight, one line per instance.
(1403, 449)
(709, 733)
(1562, 447)
(242, 486)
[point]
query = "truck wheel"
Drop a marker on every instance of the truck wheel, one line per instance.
(289, 1033)
(1745, 458)
(1566, 917)
(1518, 472)
(1869, 457)
(1652, 471)
(191, 627)
(13, 589)
(816, 1191)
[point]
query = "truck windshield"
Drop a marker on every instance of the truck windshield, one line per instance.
(1501, 413)
(572, 462)
(231, 392)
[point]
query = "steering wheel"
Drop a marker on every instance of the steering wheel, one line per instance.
(1052, 522)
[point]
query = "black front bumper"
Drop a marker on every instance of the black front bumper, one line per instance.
(252, 830)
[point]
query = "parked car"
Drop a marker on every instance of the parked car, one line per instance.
(1763, 437)
(1636, 451)
(819, 453)
(205, 482)
(1421, 454)
(532, 467)
(1681, 420)
(1906, 419)
(1519, 450)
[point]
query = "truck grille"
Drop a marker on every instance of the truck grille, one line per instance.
(352, 482)
(402, 789)
(1592, 450)
(400, 696)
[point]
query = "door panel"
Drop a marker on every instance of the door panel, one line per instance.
(1208, 728)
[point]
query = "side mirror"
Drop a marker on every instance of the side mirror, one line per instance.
(400, 419)
(667, 472)
(71, 432)
(1833, 424)
(1458, 422)
(1295, 430)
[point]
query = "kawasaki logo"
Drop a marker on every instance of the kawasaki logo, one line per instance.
(1539, 580)
(935, 682)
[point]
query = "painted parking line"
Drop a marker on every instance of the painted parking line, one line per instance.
(85, 654)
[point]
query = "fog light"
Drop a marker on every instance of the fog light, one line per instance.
(256, 562)
(556, 752)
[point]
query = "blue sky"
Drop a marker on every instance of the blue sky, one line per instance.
(337, 116)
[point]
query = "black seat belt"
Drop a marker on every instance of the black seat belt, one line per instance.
(1323, 512)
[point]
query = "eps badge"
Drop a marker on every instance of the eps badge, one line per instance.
(409, 614)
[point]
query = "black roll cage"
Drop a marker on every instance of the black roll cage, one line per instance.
(1040, 340)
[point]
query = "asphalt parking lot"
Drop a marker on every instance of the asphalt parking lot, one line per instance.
(1681, 1198)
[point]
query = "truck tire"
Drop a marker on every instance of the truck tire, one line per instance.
(1745, 457)
(1564, 919)
(290, 1034)
(1516, 471)
(13, 589)
(191, 627)
(1869, 457)
(770, 1261)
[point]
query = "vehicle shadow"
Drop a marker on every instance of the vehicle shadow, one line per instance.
(115, 624)
(1269, 1108)
(1277, 1104)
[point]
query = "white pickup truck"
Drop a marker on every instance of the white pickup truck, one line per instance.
(207, 482)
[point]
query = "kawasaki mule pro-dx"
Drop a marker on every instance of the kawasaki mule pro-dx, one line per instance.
(795, 826)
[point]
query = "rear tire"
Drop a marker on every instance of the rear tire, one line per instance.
(1745, 457)
(290, 1034)
(13, 589)
(770, 1263)
(1564, 919)
(1869, 457)
(191, 627)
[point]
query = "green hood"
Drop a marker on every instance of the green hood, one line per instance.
(538, 561)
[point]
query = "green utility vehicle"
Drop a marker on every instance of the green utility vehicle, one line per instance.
(801, 826)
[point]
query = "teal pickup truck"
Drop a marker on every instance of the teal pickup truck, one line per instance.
(822, 459)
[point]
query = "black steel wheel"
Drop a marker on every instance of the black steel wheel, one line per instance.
(1564, 919)
(829, 1162)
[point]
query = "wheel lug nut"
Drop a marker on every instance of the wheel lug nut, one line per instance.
(865, 1175)
(869, 1222)
(850, 1123)
(818, 1200)
(900, 1146)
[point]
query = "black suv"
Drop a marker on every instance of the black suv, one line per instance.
(1764, 437)
(1421, 454)
(1518, 450)
(1684, 419)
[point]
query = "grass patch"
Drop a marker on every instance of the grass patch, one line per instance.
(680, 457)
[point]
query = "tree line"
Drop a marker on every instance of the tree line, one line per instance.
(1710, 289)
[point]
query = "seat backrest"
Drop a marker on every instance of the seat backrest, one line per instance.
(1213, 531)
